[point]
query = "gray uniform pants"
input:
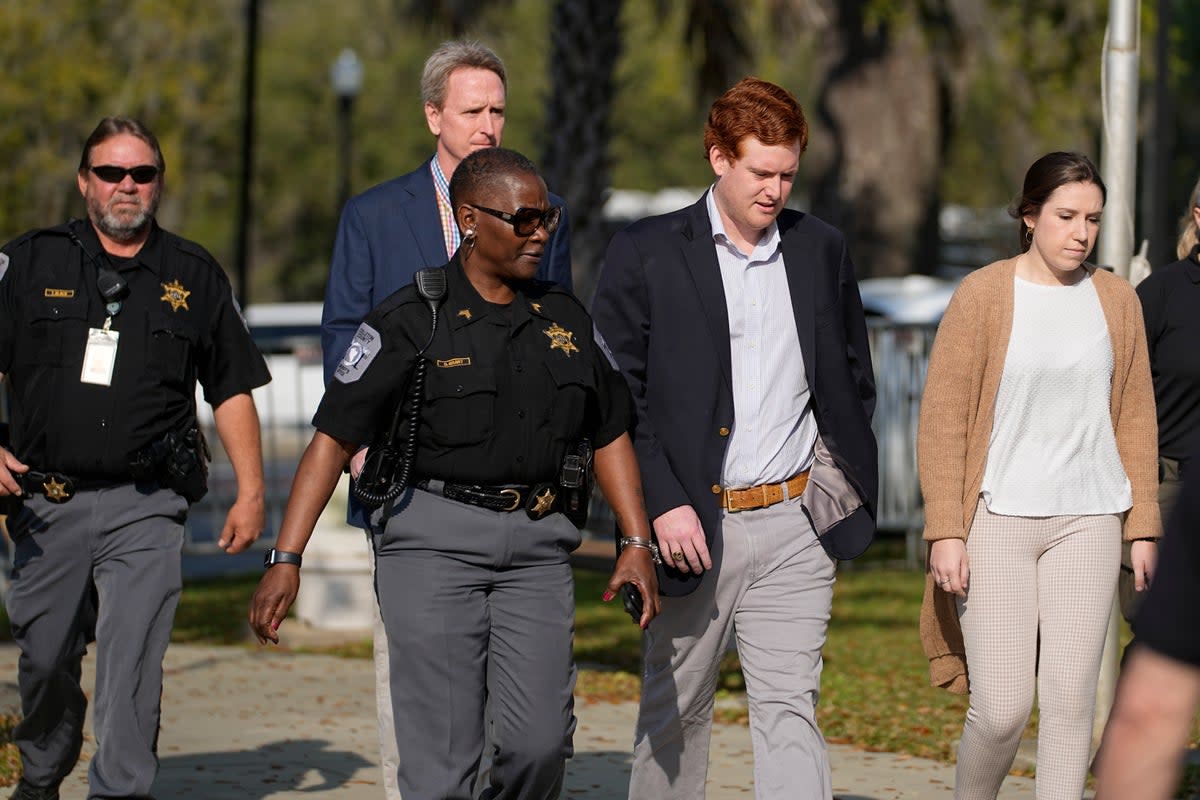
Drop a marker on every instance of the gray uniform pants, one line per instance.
(102, 567)
(773, 582)
(479, 609)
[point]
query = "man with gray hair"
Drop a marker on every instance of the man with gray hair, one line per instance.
(392, 230)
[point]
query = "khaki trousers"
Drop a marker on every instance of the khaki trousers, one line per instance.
(772, 585)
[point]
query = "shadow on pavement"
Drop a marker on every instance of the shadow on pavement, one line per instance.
(300, 766)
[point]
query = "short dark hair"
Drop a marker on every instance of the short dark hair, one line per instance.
(453, 55)
(758, 108)
(115, 126)
(1045, 176)
(484, 167)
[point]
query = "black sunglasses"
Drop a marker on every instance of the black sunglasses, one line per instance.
(526, 220)
(113, 174)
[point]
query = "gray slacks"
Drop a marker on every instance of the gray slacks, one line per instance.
(102, 567)
(479, 609)
(771, 585)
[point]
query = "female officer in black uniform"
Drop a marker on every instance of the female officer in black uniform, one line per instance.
(471, 565)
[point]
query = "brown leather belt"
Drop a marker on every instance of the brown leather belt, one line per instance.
(768, 494)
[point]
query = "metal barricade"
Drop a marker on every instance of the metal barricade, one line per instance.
(900, 355)
(285, 408)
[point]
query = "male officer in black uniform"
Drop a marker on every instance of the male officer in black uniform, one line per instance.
(105, 326)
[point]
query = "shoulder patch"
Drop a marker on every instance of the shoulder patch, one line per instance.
(598, 338)
(359, 355)
(3, 264)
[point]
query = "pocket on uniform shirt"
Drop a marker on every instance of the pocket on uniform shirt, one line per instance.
(170, 354)
(57, 329)
(574, 383)
(460, 404)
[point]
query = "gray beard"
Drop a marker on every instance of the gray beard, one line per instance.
(126, 230)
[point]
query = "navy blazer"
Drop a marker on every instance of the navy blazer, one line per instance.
(660, 308)
(385, 235)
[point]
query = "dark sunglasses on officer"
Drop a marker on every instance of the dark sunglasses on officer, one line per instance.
(526, 220)
(110, 173)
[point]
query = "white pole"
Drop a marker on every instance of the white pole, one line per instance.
(1119, 85)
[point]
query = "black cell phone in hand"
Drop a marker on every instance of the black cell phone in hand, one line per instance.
(631, 598)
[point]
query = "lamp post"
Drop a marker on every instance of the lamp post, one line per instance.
(346, 76)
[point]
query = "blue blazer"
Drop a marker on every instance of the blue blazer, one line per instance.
(385, 235)
(660, 308)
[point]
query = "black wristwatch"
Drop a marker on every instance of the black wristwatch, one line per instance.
(280, 557)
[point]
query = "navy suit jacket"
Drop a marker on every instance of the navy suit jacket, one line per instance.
(385, 235)
(660, 308)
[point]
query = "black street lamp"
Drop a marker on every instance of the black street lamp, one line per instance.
(346, 75)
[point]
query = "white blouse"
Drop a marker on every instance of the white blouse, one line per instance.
(1052, 449)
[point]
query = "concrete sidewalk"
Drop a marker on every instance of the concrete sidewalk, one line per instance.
(253, 724)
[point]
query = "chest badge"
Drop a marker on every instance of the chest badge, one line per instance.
(175, 294)
(537, 307)
(465, 313)
(560, 339)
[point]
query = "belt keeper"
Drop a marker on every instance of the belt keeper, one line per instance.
(633, 541)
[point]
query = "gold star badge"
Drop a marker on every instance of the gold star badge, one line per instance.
(175, 294)
(560, 339)
(55, 492)
(465, 313)
(537, 307)
(544, 501)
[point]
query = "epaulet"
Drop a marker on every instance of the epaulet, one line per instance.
(57, 230)
(539, 288)
(403, 296)
(188, 246)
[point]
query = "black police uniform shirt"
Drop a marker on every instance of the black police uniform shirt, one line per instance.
(179, 323)
(1171, 309)
(507, 388)
(1166, 620)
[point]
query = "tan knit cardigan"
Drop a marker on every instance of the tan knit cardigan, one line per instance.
(965, 367)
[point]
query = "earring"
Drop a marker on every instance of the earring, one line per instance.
(1029, 235)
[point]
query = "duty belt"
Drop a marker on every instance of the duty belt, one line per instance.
(57, 487)
(538, 500)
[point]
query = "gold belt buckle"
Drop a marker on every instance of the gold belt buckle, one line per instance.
(516, 496)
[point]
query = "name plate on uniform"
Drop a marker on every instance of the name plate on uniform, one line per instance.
(100, 357)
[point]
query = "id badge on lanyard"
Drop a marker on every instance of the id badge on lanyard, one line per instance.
(100, 356)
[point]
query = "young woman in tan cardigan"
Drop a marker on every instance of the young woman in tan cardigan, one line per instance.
(1036, 452)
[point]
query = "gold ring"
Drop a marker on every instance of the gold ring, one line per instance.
(677, 555)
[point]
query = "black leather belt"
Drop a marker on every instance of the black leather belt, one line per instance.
(538, 500)
(57, 487)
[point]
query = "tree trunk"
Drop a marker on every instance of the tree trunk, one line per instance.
(888, 98)
(585, 43)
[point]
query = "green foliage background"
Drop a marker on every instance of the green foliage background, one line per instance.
(1030, 70)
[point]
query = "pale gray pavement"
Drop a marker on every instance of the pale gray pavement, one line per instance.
(264, 724)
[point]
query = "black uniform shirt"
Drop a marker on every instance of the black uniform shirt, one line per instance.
(506, 388)
(178, 323)
(1167, 618)
(1171, 308)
